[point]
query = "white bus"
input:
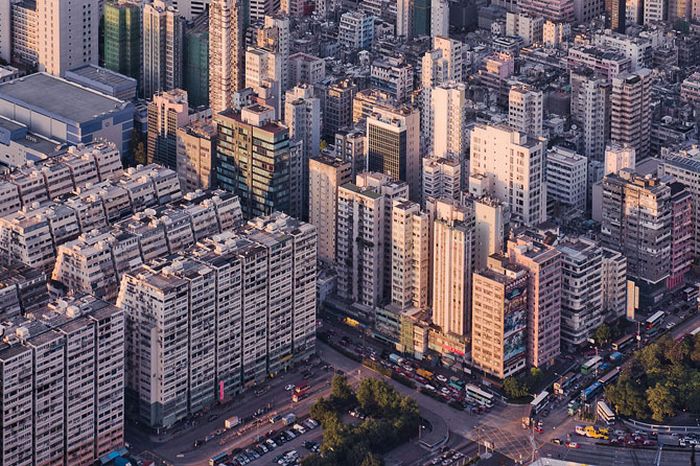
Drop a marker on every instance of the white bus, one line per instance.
(540, 402)
(474, 393)
(654, 320)
(605, 413)
(591, 365)
(695, 332)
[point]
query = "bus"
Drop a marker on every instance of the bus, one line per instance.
(479, 396)
(300, 393)
(539, 403)
(695, 332)
(623, 342)
(591, 392)
(605, 413)
(654, 320)
(221, 458)
(610, 376)
(563, 383)
(591, 365)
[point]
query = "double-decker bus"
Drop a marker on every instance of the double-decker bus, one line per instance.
(654, 320)
(622, 342)
(540, 402)
(474, 393)
(605, 413)
(591, 365)
(591, 391)
(610, 376)
(300, 393)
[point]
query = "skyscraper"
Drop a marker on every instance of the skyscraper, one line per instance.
(227, 22)
(453, 264)
(509, 166)
(263, 74)
(590, 108)
(630, 119)
(326, 175)
(195, 74)
(196, 152)
(637, 213)
(543, 263)
(163, 37)
(439, 18)
(449, 120)
(410, 255)
(166, 113)
(68, 34)
(337, 113)
(499, 317)
(253, 160)
(393, 145)
(404, 18)
(122, 38)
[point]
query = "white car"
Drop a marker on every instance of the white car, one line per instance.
(442, 378)
(289, 387)
(299, 428)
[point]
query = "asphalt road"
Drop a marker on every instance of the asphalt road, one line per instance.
(598, 455)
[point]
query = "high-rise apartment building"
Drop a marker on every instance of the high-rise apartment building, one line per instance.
(392, 76)
(448, 111)
(166, 113)
(195, 66)
(410, 246)
(68, 34)
(453, 264)
(254, 160)
(190, 9)
(581, 290)
(499, 317)
(227, 23)
(526, 109)
(614, 284)
(529, 28)
(356, 30)
(274, 37)
(122, 38)
(162, 37)
(350, 147)
(685, 168)
(567, 178)
(63, 384)
(509, 165)
(491, 220)
(363, 239)
(637, 221)
(337, 112)
(442, 178)
(404, 18)
(393, 145)
(630, 115)
(590, 109)
(6, 32)
(616, 11)
(225, 314)
(682, 241)
(618, 157)
(553, 10)
(196, 153)
(263, 74)
(25, 32)
(326, 175)
(655, 11)
(439, 18)
(543, 263)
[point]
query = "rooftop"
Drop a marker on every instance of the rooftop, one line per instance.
(58, 98)
(104, 76)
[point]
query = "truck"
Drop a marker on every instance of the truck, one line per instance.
(396, 359)
(424, 373)
(233, 421)
(289, 419)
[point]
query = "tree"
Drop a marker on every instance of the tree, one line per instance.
(341, 392)
(602, 334)
(371, 460)
(661, 402)
(513, 388)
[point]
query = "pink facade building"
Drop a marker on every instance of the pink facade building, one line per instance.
(543, 263)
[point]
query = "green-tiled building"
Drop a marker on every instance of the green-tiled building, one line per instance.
(122, 38)
(196, 69)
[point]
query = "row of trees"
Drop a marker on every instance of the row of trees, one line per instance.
(391, 420)
(663, 379)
